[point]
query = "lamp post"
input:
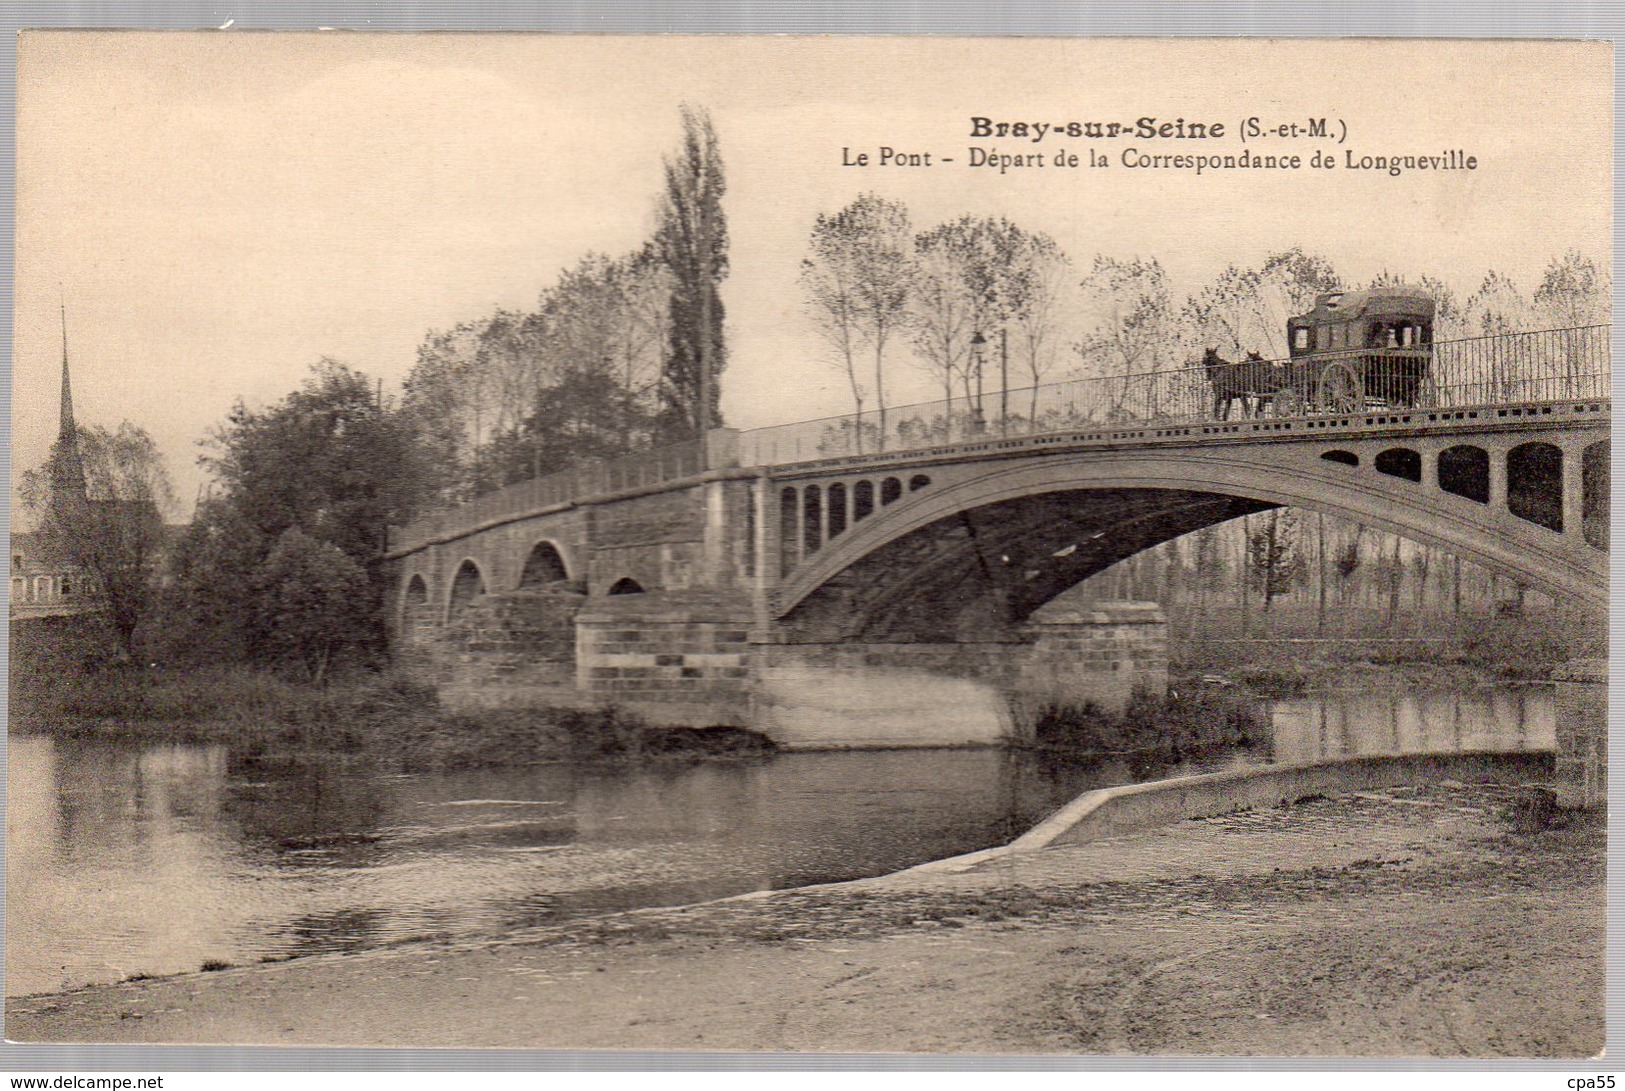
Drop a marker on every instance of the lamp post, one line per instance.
(1004, 381)
(978, 423)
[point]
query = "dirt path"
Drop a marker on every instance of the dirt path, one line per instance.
(1395, 923)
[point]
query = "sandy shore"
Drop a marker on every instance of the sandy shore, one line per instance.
(1412, 921)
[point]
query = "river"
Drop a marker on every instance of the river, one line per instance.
(127, 859)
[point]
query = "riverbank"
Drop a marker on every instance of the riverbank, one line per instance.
(392, 720)
(1406, 922)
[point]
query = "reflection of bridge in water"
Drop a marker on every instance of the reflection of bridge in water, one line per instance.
(937, 540)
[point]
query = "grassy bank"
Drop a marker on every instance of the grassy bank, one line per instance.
(63, 683)
(1188, 722)
(386, 719)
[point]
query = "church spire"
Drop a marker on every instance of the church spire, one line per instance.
(68, 468)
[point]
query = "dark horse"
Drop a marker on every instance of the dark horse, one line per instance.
(1250, 379)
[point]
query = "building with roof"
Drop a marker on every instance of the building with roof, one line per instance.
(43, 583)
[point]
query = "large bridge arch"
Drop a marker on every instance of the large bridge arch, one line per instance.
(1001, 515)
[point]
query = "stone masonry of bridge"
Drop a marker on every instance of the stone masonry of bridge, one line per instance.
(806, 599)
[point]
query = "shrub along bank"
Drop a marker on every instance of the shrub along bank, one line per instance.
(62, 685)
(1190, 721)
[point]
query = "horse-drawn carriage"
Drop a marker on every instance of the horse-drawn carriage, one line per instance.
(1352, 351)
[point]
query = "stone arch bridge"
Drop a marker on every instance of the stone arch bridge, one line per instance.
(705, 584)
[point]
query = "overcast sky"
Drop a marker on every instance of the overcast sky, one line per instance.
(219, 211)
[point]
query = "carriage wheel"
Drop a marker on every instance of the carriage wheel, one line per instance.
(1340, 390)
(1288, 402)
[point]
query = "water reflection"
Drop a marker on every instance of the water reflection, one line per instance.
(1341, 725)
(126, 859)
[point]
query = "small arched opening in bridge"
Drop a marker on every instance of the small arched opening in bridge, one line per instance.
(863, 500)
(812, 511)
(466, 586)
(837, 509)
(626, 585)
(415, 619)
(1594, 486)
(1465, 471)
(789, 537)
(918, 482)
(1400, 462)
(1535, 484)
(890, 489)
(544, 565)
(1342, 458)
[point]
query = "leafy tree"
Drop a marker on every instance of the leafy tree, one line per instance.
(692, 241)
(311, 603)
(112, 529)
(327, 459)
(207, 606)
(483, 398)
(858, 279)
(446, 408)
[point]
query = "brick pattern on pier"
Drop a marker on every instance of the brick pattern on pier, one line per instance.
(519, 638)
(1099, 652)
(688, 652)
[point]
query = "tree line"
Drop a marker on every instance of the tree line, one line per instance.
(1291, 571)
(981, 305)
(274, 569)
(621, 354)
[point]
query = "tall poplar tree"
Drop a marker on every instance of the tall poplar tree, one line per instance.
(692, 241)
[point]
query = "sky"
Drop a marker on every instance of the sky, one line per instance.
(217, 211)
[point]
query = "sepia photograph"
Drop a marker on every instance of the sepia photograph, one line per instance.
(968, 547)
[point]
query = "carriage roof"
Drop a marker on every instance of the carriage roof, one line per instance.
(1398, 300)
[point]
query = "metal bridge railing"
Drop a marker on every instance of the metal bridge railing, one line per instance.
(594, 479)
(1549, 365)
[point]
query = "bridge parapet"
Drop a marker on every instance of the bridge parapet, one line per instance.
(1505, 369)
(642, 469)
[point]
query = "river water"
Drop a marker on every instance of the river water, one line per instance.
(157, 858)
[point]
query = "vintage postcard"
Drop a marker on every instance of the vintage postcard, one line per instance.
(810, 544)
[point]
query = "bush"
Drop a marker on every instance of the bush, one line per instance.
(1186, 722)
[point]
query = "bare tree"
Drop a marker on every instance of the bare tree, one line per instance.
(1499, 306)
(1573, 292)
(1129, 325)
(858, 277)
(943, 314)
(1245, 310)
(1040, 276)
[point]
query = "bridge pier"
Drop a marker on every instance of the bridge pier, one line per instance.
(1097, 653)
(885, 695)
(725, 588)
(680, 658)
(1582, 735)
